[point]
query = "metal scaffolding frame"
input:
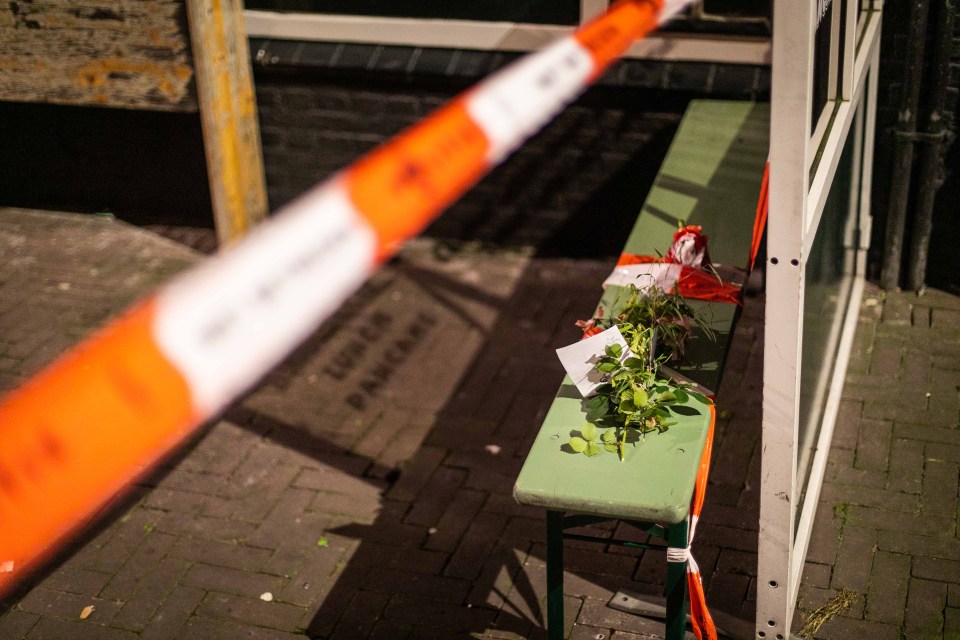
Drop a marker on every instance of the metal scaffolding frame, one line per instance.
(805, 152)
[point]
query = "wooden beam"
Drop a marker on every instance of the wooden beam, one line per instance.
(228, 113)
(133, 55)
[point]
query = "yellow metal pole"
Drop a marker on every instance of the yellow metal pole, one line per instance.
(228, 113)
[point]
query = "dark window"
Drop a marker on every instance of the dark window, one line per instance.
(821, 58)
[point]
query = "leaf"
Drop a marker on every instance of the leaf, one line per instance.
(592, 450)
(614, 350)
(589, 432)
(594, 402)
(611, 447)
(640, 397)
(684, 410)
(609, 436)
(578, 444)
(604, 389)
(322, 542)
(607, 367)
(681, 395)
(667, 397)
(700, 397)
(598, 412)
(634, 363)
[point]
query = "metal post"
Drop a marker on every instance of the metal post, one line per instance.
(555, 575)
(903, 146)
(931, 158)
(676, 592)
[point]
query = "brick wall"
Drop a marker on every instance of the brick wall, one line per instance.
(322, 105)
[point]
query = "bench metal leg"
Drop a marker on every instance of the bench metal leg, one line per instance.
(555, 575)
(677, 585)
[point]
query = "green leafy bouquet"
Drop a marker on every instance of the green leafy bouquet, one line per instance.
(635, 400)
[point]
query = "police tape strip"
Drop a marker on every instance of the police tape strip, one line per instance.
(103, 414)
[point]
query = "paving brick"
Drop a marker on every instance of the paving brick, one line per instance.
(265, 492)
(50, 629)
(390, 630)
(925, 605)
(201, 628)
(854, 558)
(362, 614)
(835, 493)
(940, 484)
(410, 610)
(221, 529)
(173, 613)
(727, 591)
(816, 575)
(886, 356)
(67, 606)
(843, 627)
(928, 434)
(287, 520)
(221, 554)
(436, 496)
(467, 561)
(906, 466)
(873, 445)
(884, 520)
(596, 613)
(946, 570)
(887, 594)
(363, 508)
(224, 580)
(417, 584)
(416, 473)
(252, 611)
(383, 556)
(908, 542)
(147, 558)
(123, 540)
(150, 593)
(456, 519)
(847, 427)
(17, 624)
(75, 580)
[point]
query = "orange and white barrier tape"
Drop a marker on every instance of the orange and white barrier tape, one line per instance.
(644, 272)
(77, 433)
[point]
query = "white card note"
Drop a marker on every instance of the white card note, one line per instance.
(580, 359)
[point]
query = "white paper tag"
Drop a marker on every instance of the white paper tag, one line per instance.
(643, 276)
(580, 359)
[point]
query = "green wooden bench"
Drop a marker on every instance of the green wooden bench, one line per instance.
(711, 176)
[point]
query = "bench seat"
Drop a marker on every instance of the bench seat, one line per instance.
(711, 177)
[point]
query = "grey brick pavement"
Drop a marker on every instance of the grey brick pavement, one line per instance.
(366, 484)
(887, 523)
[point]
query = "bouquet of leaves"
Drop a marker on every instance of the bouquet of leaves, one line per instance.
(635, 400)
(668, 313)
